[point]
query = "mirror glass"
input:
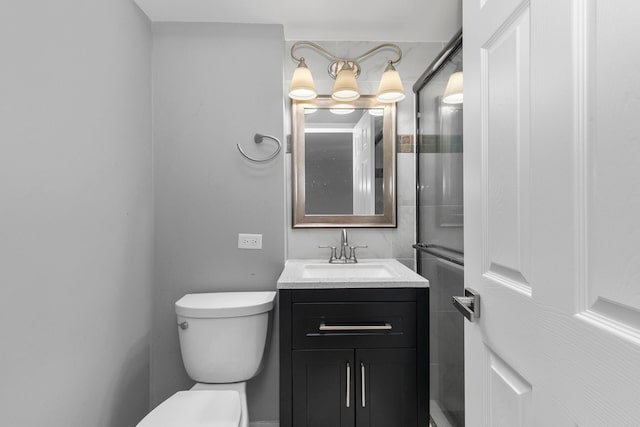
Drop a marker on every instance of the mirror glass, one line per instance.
(344, 163)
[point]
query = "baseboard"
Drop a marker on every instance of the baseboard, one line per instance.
(264, 424)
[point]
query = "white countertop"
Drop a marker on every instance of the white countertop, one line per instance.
(319, 274)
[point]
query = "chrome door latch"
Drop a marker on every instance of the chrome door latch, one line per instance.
(468, 305)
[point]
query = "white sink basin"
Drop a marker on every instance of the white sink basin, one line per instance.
(346, 271)
(367, 273)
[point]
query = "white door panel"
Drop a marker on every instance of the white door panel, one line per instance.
(552, 208)
(505, 146)
(612, 142)
(364, 198)
(510, 394)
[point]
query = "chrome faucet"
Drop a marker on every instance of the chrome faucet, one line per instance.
(344, 244)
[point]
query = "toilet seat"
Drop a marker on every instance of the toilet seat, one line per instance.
(196, 408)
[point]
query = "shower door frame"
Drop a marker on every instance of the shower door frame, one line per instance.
(449, 255)
(454, 46)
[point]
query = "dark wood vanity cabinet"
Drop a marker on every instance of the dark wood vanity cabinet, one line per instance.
(354, 357)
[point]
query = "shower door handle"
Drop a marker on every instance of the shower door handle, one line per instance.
(468, 305)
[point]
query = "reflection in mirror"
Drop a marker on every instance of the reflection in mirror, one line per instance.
(344, 163)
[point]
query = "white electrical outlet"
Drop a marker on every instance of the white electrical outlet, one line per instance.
(249, 241)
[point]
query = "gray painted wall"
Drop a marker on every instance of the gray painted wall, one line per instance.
(75, 213)
(214, 85)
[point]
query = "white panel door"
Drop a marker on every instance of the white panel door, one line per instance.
(364, 166)
(552, 212)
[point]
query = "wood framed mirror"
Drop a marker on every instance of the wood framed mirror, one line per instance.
(344, 163)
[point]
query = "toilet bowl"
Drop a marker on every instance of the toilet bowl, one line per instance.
(212, 408)
(222, 340)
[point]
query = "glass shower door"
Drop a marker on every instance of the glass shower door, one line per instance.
(440, 230)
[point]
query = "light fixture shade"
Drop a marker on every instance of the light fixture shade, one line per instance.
(346, 87)
(453, 93)
(390, 89)
(302, 87)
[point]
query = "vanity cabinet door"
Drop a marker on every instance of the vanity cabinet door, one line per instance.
(386, 388)
(323, 388)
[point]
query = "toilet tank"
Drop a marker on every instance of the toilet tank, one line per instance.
(223, 334)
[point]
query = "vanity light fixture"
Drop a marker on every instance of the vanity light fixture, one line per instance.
(453, 92)
(345, 71)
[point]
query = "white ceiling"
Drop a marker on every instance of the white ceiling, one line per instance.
(331, 20)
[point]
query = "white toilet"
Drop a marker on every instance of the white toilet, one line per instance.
(222, 339)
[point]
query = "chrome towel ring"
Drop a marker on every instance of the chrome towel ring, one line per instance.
(258, 138)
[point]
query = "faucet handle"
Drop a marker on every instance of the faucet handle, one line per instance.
(333, 256)
(352, 252)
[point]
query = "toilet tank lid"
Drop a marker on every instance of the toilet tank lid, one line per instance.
(225, 304)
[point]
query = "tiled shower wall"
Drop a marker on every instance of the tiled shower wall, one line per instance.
(382, 242)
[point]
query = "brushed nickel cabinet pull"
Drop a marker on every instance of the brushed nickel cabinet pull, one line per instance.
(364, 388)
(382, 327)
(348, 398)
